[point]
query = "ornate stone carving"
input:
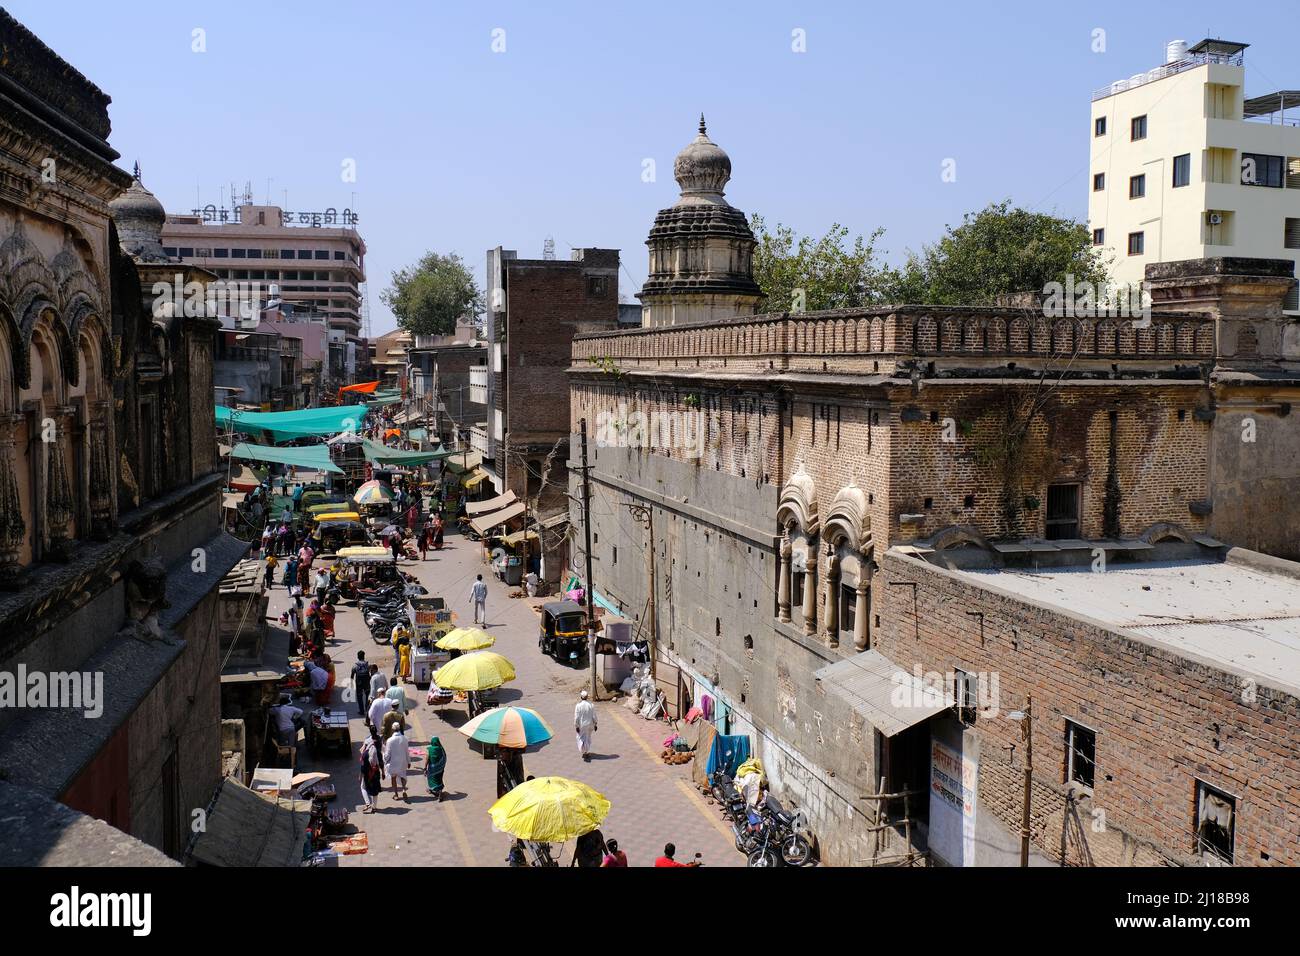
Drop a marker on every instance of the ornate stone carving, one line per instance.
(13, 529)
(59, 503)
(101, 476)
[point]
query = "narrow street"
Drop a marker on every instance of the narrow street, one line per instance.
(652, 803)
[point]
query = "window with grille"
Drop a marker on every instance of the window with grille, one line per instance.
(1062, 512)
(1080, 754)
(1291, 234)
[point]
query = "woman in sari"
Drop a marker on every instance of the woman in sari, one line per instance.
(435, 762)
(437, 532)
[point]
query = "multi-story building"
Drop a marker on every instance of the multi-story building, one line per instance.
(875, 531)
(535, 307)
(111, 549)
(1185, 166)
(449, 375)
(316, 260)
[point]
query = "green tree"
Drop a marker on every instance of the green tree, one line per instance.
(431, 295)
(997, 251)
(831, 274)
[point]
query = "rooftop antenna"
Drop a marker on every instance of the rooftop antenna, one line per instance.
(548, 248)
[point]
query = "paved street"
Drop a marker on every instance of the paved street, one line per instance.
(652, 802)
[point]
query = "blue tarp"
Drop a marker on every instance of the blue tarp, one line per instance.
(315, 457)
(729, 752)
(299, 423)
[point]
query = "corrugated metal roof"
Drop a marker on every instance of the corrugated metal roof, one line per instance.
(889, 697)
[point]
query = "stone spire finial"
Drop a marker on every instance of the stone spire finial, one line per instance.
(136, 172)
(703, 128)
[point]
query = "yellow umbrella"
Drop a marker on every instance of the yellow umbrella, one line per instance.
(481, 670)
(465, 639)
(549, 810)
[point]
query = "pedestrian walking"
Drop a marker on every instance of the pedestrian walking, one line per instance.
(584, 725)
(397, 761)
(395, 543)
(438, 528)
(378, 682)
(435, 763)
(291, 571)
(372, 772)
(380, 706)
(271, 564)
(478, 593)
(361, 682)
(404, 661)
(322, 584)
(426, 534)
(268, 532)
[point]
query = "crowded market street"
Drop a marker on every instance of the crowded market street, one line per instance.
(652, 803)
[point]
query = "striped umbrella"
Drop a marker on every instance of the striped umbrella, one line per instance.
(373, 493)
(465, 639)
(508, 727)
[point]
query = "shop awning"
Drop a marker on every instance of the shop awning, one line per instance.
(379, 454)
(513, 539)
(462, 461)
(247, 828)
(475, 508)
(362, 387)
(486, 523)
(888, 696)
(301, 423)
(474, 478)
(307, 456)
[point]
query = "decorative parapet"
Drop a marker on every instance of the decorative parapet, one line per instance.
(878, 340)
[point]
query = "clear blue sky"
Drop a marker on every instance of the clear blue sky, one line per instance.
(459, 148)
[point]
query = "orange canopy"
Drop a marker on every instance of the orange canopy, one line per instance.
(393, 432)
(366, 387)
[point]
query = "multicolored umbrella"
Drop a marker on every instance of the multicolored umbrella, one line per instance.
(549, 810)
(373, 493)
(481, 670)
(465, 639)
(508, 727)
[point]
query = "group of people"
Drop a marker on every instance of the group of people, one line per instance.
(387, 750)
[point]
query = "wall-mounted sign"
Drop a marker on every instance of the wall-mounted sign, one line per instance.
(330, 217)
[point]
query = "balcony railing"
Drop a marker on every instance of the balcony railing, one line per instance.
(1190, 62)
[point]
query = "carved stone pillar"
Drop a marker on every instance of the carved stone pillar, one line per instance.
(783, 580)
(13, 530)
(101, 477)
(860, 613)
(59, 504)
(810, 594)
(831, 619)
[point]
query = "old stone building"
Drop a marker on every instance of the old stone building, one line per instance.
(111, 539)
(844, 505)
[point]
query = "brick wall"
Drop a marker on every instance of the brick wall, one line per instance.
(1162, 723)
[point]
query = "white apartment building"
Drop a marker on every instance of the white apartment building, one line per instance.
(1184, 166)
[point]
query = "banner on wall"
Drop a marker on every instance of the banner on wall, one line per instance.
(953, 778)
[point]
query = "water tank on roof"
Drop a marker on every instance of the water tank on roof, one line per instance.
(1175, 50)
(1137, 79)
(1119, 86)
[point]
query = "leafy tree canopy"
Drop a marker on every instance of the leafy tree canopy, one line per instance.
(997, 251)
(428, 297)
(831, 274)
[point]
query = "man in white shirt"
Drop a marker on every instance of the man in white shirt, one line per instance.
(379, 707)
(584, 725)
(378, 682)
(478, 594)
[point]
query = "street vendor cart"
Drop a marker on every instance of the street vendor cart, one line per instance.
(432, 621)
(327, 730)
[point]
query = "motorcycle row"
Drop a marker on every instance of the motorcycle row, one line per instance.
(385, 608)
(768, 834)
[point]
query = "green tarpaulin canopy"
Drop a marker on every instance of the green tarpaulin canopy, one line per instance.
(378, 454)
(380, 400)
(316, 457)
(299, 423)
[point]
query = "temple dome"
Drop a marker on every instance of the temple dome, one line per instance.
(702, 169)
(139, 217)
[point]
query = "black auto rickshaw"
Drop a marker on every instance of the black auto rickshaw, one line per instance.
(563, 631)
(332, 535)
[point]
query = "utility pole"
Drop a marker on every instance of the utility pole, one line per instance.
(1027, 728)
(646, 513)
(589, 590)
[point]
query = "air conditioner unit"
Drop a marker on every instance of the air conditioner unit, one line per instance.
(1214, 218)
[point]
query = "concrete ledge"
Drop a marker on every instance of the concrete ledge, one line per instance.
(1266, 563)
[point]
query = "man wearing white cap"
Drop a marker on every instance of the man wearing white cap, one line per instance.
(584, 724)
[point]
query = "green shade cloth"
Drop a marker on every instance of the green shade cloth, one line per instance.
(310, 456)
(299, 423)
(383, 400)
(417, 434)
(379, 454)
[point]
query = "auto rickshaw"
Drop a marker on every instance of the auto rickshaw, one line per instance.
(372, 566)
(330, 536)
(563, 631)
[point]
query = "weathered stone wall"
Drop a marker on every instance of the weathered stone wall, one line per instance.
(1256, 469)
(1162, 722)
